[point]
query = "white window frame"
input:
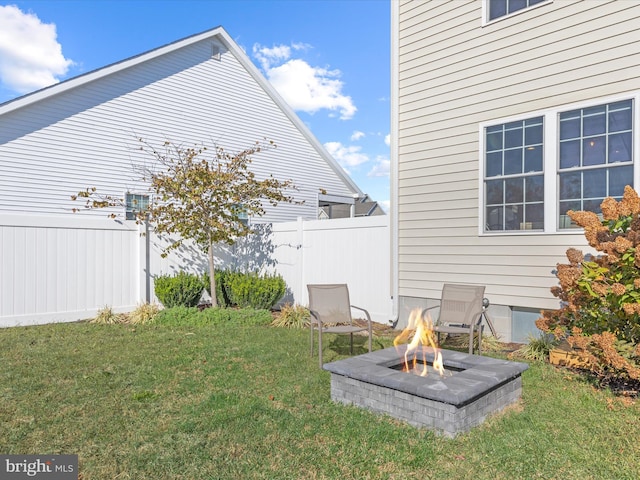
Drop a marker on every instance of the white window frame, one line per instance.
(551, 161)
(242, 214)
(140, 194)
(485, 12)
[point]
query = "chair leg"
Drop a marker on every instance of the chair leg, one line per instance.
(320, 347)
(311, 338)
(471, 343)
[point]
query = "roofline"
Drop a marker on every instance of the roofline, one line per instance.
(284, 106)
(101, 72)
(224, 37)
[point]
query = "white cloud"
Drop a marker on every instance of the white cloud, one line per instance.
(387, 140)
(304, 87)
(346, 156)
(301, 46)
(382, 167)
(268, 56)
(30, 55)
(386, 205)
(357, 135)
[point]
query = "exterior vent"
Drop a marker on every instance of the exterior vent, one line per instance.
(215, 52)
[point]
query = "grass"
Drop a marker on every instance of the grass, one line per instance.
(237, 402)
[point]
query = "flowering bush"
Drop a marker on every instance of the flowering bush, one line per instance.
(600, 295)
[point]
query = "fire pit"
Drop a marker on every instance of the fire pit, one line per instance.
(471, 388)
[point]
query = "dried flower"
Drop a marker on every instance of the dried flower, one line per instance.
(568, 275)
(600, 288)
(585, 219)
(630, 203)
(622, 244)
(557, 291)
(631, 308)
(575, 256)
(618, 289)
(610, 209)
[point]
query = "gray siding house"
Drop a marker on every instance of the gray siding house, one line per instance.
(505, 115)
(56, 265)
(202, 89)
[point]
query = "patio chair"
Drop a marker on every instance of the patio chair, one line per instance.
(331, 313)
(461, 312)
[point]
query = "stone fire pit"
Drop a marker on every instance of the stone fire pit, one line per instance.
(473, 388)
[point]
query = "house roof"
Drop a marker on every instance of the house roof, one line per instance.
(217, 33)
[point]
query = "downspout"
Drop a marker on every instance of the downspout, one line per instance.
(395, 93)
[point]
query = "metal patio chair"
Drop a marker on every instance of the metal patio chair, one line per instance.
(461, 312)
(331, 313)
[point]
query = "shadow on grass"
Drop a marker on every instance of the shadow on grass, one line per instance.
(340, 345)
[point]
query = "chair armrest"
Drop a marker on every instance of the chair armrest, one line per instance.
(369, 322)
(362, 310)
(478, 316)
(316, 315)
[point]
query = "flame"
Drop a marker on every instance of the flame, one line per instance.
(419, 335)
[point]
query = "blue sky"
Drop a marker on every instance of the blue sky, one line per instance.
(329, 59)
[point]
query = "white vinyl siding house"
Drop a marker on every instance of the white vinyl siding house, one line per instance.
(500, 127)
(83, 133)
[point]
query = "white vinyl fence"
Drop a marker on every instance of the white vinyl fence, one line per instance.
(55, 269)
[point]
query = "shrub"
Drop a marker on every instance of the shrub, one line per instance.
(184, 289)
(144, 313)
(292, 316)
(600, 296)
(255, 291)
(183, 316)
(222, 295)
(175, 316)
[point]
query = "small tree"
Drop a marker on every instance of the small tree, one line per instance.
(201, 195)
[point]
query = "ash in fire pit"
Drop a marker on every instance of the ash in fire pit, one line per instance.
(448, 404)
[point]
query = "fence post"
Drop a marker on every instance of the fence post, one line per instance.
(144, 275)
(300, 294)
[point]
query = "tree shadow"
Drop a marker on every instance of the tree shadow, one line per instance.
(253, 253)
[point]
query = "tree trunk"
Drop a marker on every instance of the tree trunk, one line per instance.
(212, 277)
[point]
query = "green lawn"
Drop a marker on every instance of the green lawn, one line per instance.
(234, 402)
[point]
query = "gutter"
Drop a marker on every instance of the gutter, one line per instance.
(395, 94)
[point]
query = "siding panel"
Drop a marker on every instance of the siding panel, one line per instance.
(87, 136)
(453, 74)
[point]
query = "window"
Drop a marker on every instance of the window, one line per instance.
(501, 8)
(514, 176)
(595, 157)
(240, 212)
(536, 168)
(135, 203)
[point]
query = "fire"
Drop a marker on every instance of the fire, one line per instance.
(419, 335)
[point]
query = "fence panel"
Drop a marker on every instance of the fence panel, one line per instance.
(355, 251)
(65, 268)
